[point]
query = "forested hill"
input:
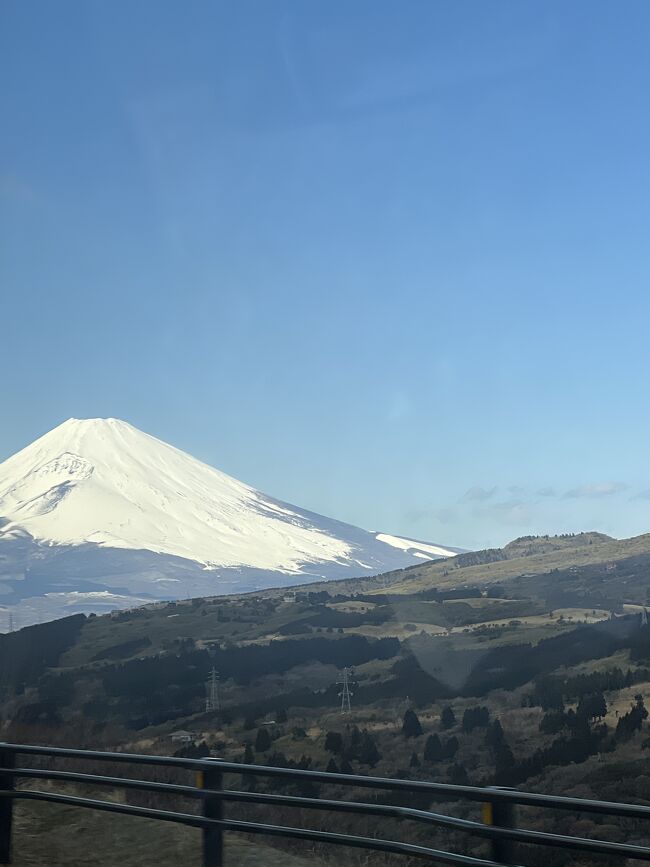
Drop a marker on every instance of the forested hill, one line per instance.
(148, 666)
(523, 665)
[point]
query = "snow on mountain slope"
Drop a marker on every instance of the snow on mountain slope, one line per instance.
(106, 482)
(102, 485)
(418, 549)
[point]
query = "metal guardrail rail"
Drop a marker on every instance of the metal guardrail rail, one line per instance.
(498, 825)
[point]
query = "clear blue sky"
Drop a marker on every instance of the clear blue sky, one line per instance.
(385, 260)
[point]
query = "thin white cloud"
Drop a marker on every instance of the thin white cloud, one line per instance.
(596, 490)
(510, 512)
(478, 494)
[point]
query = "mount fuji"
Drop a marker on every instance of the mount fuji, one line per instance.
(97, 515)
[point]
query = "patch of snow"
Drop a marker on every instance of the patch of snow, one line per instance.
(417, 548)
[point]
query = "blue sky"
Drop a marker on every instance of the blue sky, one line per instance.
(388, 261)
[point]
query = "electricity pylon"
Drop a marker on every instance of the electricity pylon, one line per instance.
(212, 689)
(345, 694)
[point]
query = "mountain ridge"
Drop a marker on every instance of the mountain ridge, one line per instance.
(526, 556)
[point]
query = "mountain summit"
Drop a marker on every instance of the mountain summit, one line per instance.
(97, 514)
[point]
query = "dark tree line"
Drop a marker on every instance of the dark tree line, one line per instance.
(474, 718)
(437, 750)
(551, 691)
(243, 664)
(352, 745)
(26, 655)
(513, 666)
(632, 721)
(564, 750)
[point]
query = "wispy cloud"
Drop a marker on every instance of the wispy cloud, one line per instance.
(597, 489)
(511, 511)
(445, 516)
(642, 495)
(478, 494)
(416, 516)
(546, 492)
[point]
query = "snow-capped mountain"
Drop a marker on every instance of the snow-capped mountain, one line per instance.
(97, 514)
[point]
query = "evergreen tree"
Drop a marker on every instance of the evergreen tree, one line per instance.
(262, 741)
(415, 762)
(450, 747)
(433, 751)
(277, 759)
(553, 722)
(494, 735)
(346, 767)
(355, 737)
(194, 751)
(368, 754)
(475, 717)
(249, 755)
(447, 719)
(332, 767)
(411, 727)
(632, 720)
(504, 759)
(592, 707)
(334, 742)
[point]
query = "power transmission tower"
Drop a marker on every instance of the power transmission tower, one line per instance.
(345, 694)
(212, 688)
(11, 622)
(644, 617)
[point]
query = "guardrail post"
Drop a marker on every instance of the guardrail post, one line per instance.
(212, 778)
(7, 784)
(501, 814)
